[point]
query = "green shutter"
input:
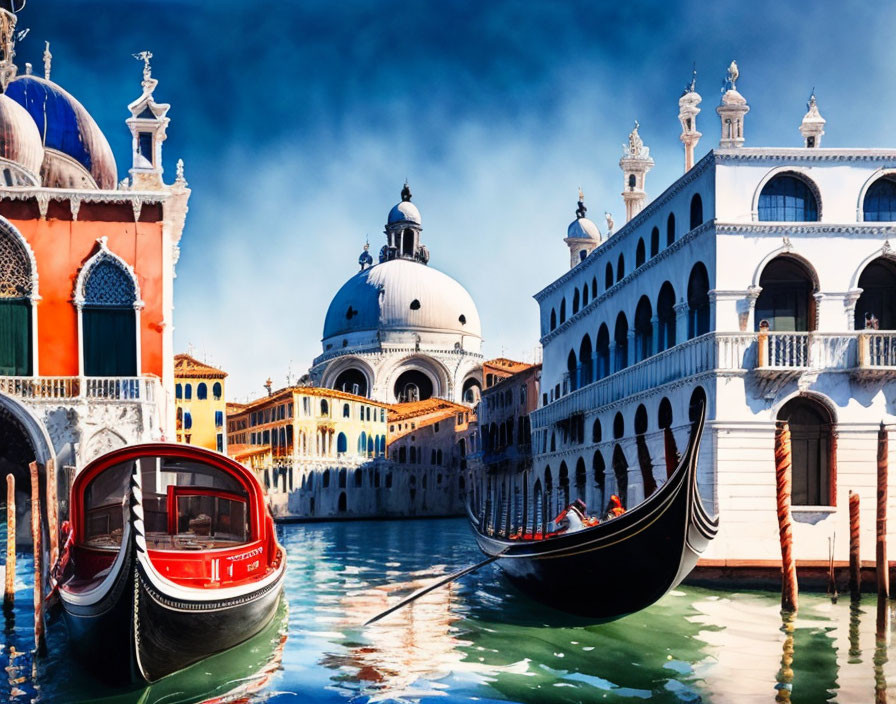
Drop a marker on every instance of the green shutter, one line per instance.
(110, 341)
(15, 337)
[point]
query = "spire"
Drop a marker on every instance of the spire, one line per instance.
(812, 126)
(48, 60)
(687, 115)
(7, 46)
(148, 124)
(635, 163)
(731, 111)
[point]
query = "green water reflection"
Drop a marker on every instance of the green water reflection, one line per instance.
(480, 640)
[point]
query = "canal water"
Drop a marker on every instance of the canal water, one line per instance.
(481, 641)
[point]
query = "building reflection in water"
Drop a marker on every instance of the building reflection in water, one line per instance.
(405, 654)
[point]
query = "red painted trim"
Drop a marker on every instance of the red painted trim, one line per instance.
(175, 492)
(261, 529)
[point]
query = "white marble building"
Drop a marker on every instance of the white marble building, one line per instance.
(798, 237)
(400, 330)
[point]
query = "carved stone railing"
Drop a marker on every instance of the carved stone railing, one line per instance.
(722, 351)
(876, 349)
(71, 388)
(795, 351)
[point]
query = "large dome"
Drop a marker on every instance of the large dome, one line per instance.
(20, 140)
(402, 295)
(77, 154)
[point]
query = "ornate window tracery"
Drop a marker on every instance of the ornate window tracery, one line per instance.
(16, 279)
(109, 284)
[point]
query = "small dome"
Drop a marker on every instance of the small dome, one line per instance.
(73, 142)
(20, 140)
(583, 228)
(404, 212)
(732, 97)
(402, 295)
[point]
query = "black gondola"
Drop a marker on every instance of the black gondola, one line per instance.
(621, 565)
(171, 557)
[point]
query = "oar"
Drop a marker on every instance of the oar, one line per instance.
(426, 590)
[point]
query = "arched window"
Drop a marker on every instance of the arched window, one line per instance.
(370, 445)
(618, 426)
(599, 468)
(586, 363)
(643, 329)
(879, 204)
(359, 477)
(201, 391)
(572, 370)
(593, 287)
(620, 471)
(665, 313)
(596, 431)
(217, 391)
(787, 198)
(811, 430)
(351, 381)
(878, 299)
(324, 407)
(16, 290)
(664, 414)
(654, 241)
(581, 479)
(402, 454)
(413, 455)
(188, 391)
(584, 295)
(346, 411)
(696, 211)
(362, 445)
(631, 181)
(698, 301)
(620, 267)
(188, 421)
(109, 318)
(575, 302)
(640, 420)
(553, 319)
(341, 443)
(670, 229)
(563, 484)
(786, 300)
(621, 338)
(602, 351)
(608, 276)
(640, 253)
(178, 391)
(563, 311)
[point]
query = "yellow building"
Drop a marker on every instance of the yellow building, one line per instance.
(200, 402)
(303, 442)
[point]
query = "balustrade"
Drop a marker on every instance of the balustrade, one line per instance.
(60, 388)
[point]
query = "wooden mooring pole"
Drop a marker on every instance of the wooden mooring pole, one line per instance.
(9, 593)
(38, 549)
(52, 512)
(881, 567)
(789, 588)
(855, 564)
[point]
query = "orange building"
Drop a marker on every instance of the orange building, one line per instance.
(86, 272)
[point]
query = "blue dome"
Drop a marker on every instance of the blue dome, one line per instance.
(66, 127)
(404, 212)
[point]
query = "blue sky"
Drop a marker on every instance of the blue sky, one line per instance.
(299, 121)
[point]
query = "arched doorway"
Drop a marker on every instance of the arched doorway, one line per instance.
(698, 301)
(786, 300)
(812, 446)
(23, 440)
(876, 307)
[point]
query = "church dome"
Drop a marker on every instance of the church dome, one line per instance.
(77, 154)
(404, 212)
(20, 140)
(583, 228)
(402, 295)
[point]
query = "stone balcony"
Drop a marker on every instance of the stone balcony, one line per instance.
(56, 389)
(773, 356)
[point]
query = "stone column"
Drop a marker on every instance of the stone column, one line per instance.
(630, 356)
(681, 321)
(613, 367)
(655, 324)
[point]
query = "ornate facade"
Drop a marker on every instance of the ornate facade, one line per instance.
(86, 344)
(763, 279)
(400, 330)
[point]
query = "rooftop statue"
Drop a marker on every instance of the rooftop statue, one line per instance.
(733, 75)
(581, 210)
